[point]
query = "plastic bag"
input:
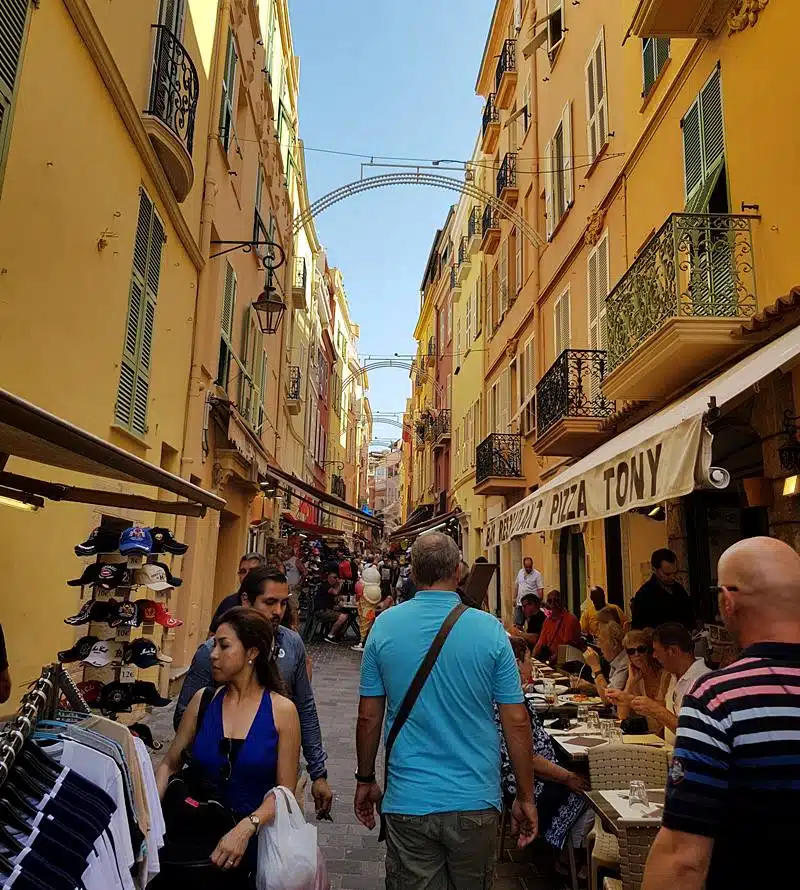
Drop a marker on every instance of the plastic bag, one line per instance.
(322, 882)
(287, 849)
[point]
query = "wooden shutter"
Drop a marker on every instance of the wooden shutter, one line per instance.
(569, 173)
(228, 88)
(592, 300)
(661, 53)
(468, 322)
(228, 302)
(171, 14)
(597, 289)
(648, 64)
(712, 126)
(137, 351)
(13, 29)
(519, 261)
(692, 150)
(549, 196)
(503, 275)
(596, 100)
(527, 98)
(561, 323)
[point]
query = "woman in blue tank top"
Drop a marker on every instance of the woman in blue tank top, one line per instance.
(248, 740)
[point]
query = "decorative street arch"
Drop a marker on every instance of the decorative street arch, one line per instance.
(433, 180)
(393, 363)
(389, 421)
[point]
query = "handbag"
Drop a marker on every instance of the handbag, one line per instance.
(287, 848)
(422, 674)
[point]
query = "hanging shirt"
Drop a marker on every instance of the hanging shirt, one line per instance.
(158, 828)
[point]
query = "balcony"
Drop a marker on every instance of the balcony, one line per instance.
(464, 259)
(474, 231)
(293, 390)
(672, 316)
(505, 77)
(491, 231)
(300, 284)
(570, 404)
(491, 126)
(498, 465)
(338, 487)
(507, 190)
(455, 283)
(431, 352)
(170, 113)
(441, 429)
(680, 18)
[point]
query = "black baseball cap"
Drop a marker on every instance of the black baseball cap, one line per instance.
(164, 542)
(106, 576)
(79, 651)
(124, 614)
(117, 697)
(146, 693)
(144, 654)
(92, 610)
(99, 541)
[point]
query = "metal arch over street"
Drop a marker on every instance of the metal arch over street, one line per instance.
(393, 363)
(389, 421)
(434, 180)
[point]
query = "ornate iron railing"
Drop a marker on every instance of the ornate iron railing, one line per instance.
(507, 174)
(441, 425)
(571, 388)
(698, 265)
(338, 487)
(431, 347)
(295, 376)
(490, 113)
(300, 273)
(463, 251)
(175, 86)
(489, 219)
(474, 224)
(500, 454)
(453, 278)
(507, 61)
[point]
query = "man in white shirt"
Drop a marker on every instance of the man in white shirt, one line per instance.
(673, 648)
(529, 580)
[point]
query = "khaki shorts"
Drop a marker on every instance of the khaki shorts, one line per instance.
(441, 851)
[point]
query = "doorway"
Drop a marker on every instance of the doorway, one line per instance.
(572, 568)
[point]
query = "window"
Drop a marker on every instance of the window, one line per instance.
(478, 308)
(519, 260)
(655, 52)
(704, 145)
(273, 24)
(558, 173)
(13, 27)
(226, 326)
(527, 115)
(502, 293)
(468, 323)
(490, 314)
(449, 319)
(134, 376)
(459, 343)
(597, 289)
(561, 323)
(555, 24)
(514, 132)
(442, 330)
(517, 24)
(171, 14)
(226, 126)
(252, 372)
(527, 389)
(259, 229)
(596, 99)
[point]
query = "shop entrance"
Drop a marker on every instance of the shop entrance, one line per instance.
(572, 568)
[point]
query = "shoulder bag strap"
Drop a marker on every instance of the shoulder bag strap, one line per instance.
(418, 682)
(208, 696)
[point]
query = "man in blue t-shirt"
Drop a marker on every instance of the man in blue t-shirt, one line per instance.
(442, 798)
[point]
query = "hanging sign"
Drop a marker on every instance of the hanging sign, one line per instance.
(666, 465)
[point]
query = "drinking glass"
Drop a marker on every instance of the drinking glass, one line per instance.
(605, 728)
(583, 715)
(638, 794)
(615, 736)
(550, 692)
(593, 721)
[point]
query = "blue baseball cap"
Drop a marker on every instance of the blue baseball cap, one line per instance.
(136, 540)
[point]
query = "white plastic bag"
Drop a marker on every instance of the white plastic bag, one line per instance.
(287, 849)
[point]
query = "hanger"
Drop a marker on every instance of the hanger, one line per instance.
(15, 799)
(41, 765)
(13, 817)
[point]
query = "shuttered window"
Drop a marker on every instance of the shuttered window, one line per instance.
(468, 323)
(561, 323)
(519, 261)
(596, 99)
(226, 326)
(171, 14)
(502, 294)
(228, 93)
(703, 144)
(527, 98)
(13, 28)
(478, 309)
(559, 171)
(597, 289)
(655, 52)
(137, 352)
(555, 23)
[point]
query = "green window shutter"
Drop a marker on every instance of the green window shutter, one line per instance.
(713, 126)
(661, 53)
(13, 29)
(137, 350)
(649, 63)
(228, 86)
(692, 151)
(228, 301)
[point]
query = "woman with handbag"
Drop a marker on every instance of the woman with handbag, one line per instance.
(242, 740)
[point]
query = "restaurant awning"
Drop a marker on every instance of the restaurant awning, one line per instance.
(419, 528)
(665, 456)
(30, 433)
(310, 528)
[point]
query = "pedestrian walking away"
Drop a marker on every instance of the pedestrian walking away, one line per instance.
(442, 801)
(529, 580)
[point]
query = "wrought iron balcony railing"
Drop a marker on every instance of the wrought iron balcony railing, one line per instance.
(500, 454)
(490, 113)
(338, 487)
(507, 61)
(295, 377)
(489, 219)
(571, 388)
(300, 273)
(175, 86)
(507, 174)
(441, 425)
(453, 278)
(474, 224)
(697, 265)
(463, 251)
(431, 347)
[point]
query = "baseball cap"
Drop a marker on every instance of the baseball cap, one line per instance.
(147, 693)
(144, 654)
(164, 542)
(106, 576)
(116, 697)
(92, 610)
(151, 611)
(99, 541)
(135, 540)
(103, 653)
(90, 690)
(79, 651)
(153, 576)
(173, 580)
(125, 614)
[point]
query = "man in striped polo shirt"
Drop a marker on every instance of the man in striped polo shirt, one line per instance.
(732, 813)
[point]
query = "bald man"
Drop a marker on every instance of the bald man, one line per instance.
(732, 813)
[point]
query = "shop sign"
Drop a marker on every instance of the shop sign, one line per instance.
(667, 465)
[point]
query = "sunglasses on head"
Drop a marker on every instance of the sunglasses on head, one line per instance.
(638, 650)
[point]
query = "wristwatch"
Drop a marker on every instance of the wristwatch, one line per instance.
(597, 674)
(365, 780)
(322, 775)
(254, 821)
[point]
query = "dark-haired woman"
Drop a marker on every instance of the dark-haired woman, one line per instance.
(248, 740)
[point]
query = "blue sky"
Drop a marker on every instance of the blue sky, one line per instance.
(386, 77)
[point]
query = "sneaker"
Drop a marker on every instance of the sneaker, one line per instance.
(358, 648)
(329, 640)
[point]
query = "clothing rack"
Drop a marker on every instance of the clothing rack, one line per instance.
(40, 702)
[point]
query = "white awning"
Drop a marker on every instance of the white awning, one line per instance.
(665, 456)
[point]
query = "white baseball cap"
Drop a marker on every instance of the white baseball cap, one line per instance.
(103, 653)
(154, 577)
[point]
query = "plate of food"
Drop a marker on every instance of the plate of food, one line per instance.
(558, 687)
(580, 698)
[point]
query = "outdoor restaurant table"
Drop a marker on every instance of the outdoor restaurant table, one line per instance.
(577, 741)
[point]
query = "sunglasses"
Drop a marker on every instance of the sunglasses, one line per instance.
(226, 750)
(639, 650)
